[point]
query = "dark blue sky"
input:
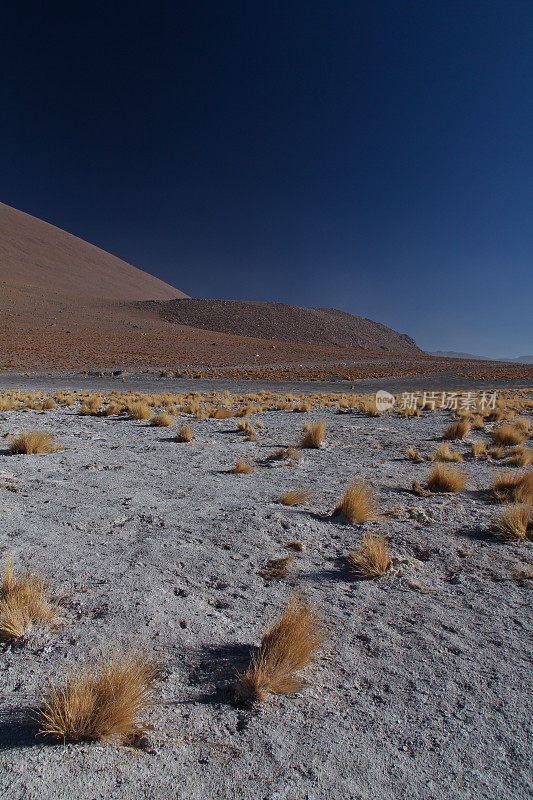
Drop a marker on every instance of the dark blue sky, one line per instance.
(370, 156)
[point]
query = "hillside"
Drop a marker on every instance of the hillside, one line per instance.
(286, 323)
(36, 256)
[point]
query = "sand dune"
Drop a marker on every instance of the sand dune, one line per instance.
(38, 256)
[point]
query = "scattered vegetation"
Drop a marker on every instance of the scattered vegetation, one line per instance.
(162, 420)
(414, 455)
(25, 603)
(242, 466)
(295, 497)
(357, 504)
(276, 568)
(140, 411)
(33, 442)
(314, 435)
(444, 454)
(479, 449)
(458, 429)
(104, 700)
(373, 558)
(445, 479)
(514, 486)
(508, 435)
(286, 648)
(185, 434)
(515, 521)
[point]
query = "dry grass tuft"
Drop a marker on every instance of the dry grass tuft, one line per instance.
(25, 603)
(29, 442)
(446, 479)
(444, 454)
(297, 546)
(104, 700)
(458, 429)
(314, 434)
(242, 466)
(418, 489)
(496, 452)
(523, 424)
(49, 404)
(286, 648)
(91, 407)
(140, 411)
(295, 497)
(514, 522)
(162, 420)
(290, 453)
(373, 559)
(508, 435)
(276, 568)
(185, 434)
(357, 504)
(521, 457)
(414, 455)
(514, 486)
(478, 449)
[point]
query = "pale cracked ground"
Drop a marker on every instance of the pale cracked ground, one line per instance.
(422, 691)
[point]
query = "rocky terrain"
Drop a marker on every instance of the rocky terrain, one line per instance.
(285, 323)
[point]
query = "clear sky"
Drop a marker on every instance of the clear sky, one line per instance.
(371, 156)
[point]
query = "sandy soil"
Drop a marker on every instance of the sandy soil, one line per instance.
(423, 689)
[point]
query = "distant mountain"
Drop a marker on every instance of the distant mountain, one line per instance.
(453, 354)
(470, 357)
(284, 323)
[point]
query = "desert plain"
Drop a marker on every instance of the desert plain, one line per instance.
(421, 687)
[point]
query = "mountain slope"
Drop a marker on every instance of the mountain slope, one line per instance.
(35, 255)
(283, 322)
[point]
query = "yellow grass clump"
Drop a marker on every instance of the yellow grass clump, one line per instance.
(185, 434)
(478, 449)
(33, 442)
(242, 466)
(523, 424)
(162, 420)
(49, 404)
(314, 434)
(458, 429)
(286, 648)
(104, 700)
(140, 411)
(508, 435)
(514, 486)
(373, 558)
(276, 568)
(445, 479)
(521, 457)
(294, 497)
(357, 504)
(414, 455)
(25, 603)
(515, 521)
(91, 406)
(444, 454)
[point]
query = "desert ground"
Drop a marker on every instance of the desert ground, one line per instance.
(422, 686)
